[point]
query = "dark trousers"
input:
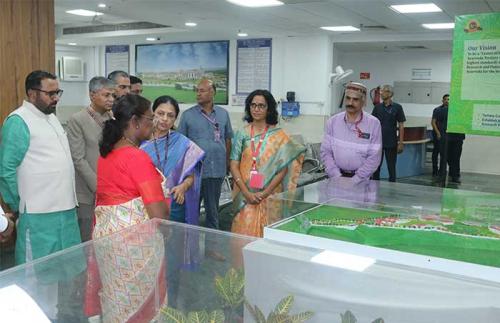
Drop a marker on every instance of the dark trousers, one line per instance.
(454, 154)
(210, 195)
(391, 155)
(85, 214)
(435, 156)
(451, 152)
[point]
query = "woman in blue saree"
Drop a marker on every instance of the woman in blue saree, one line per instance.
(178, 158)
(180, 161)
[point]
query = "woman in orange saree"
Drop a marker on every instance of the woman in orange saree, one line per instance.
(131, 263)
(264, 161)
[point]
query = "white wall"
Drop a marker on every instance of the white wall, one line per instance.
(480, 153)
(298, 64)
(75, 94)
(385, 68)
(303, 65)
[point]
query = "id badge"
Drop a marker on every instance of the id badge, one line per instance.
(364, 135)
(256, 180)
(217, 135)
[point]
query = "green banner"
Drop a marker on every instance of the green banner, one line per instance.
(475, 75)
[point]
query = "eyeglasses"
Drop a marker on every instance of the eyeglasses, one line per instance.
(51, 94)
(259, 106)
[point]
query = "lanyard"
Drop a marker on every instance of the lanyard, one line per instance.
(358, 131)
(94, 116)
(255, 152)
(212, 121)
(162, 165)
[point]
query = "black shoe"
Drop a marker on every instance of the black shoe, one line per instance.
(455, 180)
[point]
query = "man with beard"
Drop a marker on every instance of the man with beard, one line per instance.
(352, 145)
(450, 144)
(84, 132)
(37, 181)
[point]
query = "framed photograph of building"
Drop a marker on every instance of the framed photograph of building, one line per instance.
(176, 68)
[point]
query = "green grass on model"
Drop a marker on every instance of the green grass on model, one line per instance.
(461, 242)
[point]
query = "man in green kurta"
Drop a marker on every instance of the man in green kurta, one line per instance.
(37, 178)
(37, 181)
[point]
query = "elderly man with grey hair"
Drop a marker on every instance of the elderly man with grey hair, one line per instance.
(392, 118)
(84, 130)
(121, 80)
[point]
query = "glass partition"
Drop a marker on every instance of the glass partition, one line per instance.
(374, 217)
(144, 273)
(166, 272)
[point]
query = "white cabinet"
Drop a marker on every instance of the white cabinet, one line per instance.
(420, 92)
(439, 89)
(403, 92)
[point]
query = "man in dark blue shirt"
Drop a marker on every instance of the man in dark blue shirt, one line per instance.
(450, 144)
(437, 130)
(391, 116)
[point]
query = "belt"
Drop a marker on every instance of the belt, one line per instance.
(348, 173)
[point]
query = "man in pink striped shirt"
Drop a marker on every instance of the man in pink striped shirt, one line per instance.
(352, 145)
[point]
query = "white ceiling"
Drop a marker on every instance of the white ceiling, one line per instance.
(218, 19)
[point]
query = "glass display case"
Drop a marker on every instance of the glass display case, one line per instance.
(159, 272)
(453, 231)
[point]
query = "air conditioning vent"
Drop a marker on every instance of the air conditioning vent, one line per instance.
(373, 27)
(411, 47)
(112, 27)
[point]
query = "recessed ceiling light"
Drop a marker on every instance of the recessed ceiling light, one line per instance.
(446, 25)
(416, 8)
(101, 5)
(151, 38)
(72, 44)
(257, 3)
(191, 24)
(242, 34)
(340, 28)
(85, 13)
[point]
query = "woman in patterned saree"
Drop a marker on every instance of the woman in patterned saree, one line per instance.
(129, 192)
(178, 158)
(264, 161)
